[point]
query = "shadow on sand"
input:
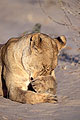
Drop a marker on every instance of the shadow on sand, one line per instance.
(69, 58)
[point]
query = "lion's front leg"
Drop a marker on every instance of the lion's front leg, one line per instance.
(18, 94)
(31, 97)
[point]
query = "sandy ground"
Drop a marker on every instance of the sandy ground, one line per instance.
(57, 18)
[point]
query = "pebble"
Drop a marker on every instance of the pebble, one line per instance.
(73, 64)
(78, 62)
(64, 67)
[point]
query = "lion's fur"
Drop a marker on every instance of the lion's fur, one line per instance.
(23, 58)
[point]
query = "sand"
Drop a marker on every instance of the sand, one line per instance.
(56, 18)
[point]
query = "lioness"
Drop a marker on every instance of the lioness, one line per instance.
(25, 60)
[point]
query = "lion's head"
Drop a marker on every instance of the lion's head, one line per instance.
(39, 57)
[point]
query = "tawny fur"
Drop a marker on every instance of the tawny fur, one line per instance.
(45, 84)
(33, 56)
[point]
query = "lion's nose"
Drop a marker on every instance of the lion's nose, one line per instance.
(31, 78)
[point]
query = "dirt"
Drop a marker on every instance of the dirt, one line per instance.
(56, 18)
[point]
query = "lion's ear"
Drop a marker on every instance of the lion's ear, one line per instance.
(35, 40)
(61, 42)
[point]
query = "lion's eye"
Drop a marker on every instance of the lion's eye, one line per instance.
(31, 39)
